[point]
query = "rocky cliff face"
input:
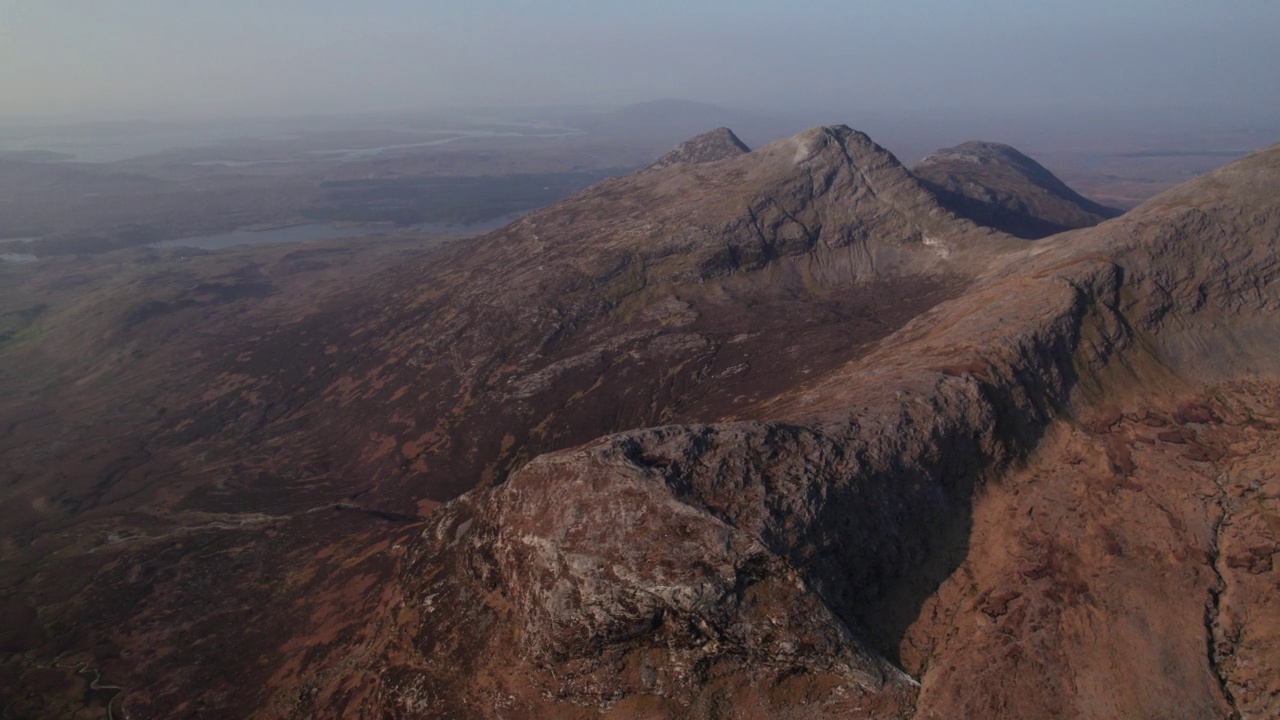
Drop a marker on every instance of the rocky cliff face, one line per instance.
(995, 185)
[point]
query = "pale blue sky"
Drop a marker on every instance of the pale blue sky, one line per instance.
(169, 58)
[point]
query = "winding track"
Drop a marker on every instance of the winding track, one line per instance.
(83, 668)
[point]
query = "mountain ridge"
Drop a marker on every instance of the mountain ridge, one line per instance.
(824, 210)
(1077, 335)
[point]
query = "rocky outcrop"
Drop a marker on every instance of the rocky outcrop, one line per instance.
(997, 186)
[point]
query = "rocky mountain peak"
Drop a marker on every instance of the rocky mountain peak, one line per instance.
(996, 185)
(829, 192)
(838, 138)
(718, 144)
(979, 152)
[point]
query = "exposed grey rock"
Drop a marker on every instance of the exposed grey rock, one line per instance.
(718, 144)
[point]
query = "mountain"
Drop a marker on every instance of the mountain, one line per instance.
(231, 437)
(997, 186)
(619, 308)
(661, 124)
(718, 144)
(771, 434)
(1054, 473)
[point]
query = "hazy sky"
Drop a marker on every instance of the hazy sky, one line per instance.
(170, 58)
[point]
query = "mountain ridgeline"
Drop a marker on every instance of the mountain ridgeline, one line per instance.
(682, 293)
(968, 496)
(791, 432)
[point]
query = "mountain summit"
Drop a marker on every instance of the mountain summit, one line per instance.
(718, 144)
(997, 186)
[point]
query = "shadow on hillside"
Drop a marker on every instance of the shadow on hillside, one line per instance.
(1010, 217)
(905, 529)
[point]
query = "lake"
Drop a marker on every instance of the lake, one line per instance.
(354, 154)
(324, 231)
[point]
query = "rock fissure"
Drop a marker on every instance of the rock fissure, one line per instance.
(1218, 648)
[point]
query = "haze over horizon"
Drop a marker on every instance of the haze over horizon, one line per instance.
(146, 58)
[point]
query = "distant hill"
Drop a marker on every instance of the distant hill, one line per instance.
(719, 144)
(661, 124)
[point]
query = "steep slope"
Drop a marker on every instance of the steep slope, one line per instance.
(997, 186)
(976, 499)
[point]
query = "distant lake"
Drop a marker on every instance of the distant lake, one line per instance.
(238, 163)
(250, 236)
(475, 228)
(353, 154)
(324, 231)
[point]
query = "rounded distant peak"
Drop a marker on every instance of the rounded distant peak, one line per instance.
(995, 185)
(718, 144)
(977, 151)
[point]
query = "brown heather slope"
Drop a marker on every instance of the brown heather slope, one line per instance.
(101, 559)
(997, 186)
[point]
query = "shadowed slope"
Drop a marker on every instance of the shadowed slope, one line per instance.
(997, 186)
